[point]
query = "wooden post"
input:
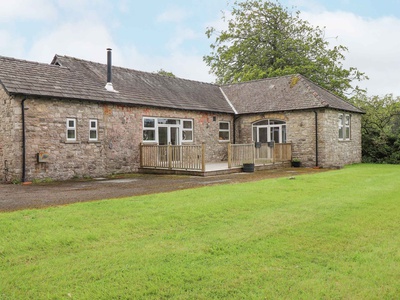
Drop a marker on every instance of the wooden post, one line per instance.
(229, 155)
(141, 154)
(203, 157)
(169, 154)
(254, 153)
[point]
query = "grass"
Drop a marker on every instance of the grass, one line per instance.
(333, 235)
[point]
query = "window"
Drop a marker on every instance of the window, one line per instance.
(164, 131)
(93, 132)
(187, 131)
(265, 131)
(149, 129)
(224, 131)
(344, 123)
(347, 127)
(71, 129)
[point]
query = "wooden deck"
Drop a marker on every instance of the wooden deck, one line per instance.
(212, 169)
(191, 159)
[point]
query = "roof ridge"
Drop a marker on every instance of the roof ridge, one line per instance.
(27, 61)
(138, 71)
(258, 80)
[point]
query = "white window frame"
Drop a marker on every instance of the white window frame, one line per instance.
(159, 122)
(186, 130)
(93, 129)
(154, 128)
(71, 128)
(269, 124)
(224, 130)
(344, 127)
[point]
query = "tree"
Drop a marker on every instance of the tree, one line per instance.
(380, 128)
(264, 40)
(165, 73)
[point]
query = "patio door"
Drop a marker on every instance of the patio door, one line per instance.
(265, 134)
(169, 135)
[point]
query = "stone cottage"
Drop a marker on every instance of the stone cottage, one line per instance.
(75, 118)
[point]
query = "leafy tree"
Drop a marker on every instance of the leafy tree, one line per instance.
(264, 39)
(165, 73)
(380, 128)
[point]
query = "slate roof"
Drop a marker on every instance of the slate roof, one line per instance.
(286, 93)
(73, 78)
(79, 79)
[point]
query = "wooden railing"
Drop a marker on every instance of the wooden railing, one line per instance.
(238, 154)
(192, 157)
(282, 152)
(186, 157)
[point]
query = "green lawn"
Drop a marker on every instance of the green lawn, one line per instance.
(333, 235)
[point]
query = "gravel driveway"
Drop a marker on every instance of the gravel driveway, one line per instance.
(15, 197)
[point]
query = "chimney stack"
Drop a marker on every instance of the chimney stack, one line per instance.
(109, 85)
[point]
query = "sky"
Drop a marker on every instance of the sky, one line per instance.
(170, 35)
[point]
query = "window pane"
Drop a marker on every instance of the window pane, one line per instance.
(340, 120)
(168, 121)
(284, 134)
(187, 124)
(93, 124)
(71, 134)
(263, 135)
(347, 133)
(93, 134)
(71, 123)
(347, 120)
(149, 135)
(224, 125)
(224, 135)
(341, 133)
(149, 123)
(263, 122)
(187, 135)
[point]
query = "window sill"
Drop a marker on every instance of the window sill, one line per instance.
(224, 141)
(150, 142)
(94, 142)
(72, 142)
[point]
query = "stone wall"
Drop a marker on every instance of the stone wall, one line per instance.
(120, 133)
(300, 130)
(117, 148)
(10, 138)
(336, 153)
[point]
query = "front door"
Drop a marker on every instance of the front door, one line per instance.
(168, 135)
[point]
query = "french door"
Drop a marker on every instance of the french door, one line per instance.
(269, 133)
(169, 135)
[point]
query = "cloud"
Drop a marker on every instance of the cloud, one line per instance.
(86, 39)
(27, 10)
(182, 65)
(180, 36)
(372, 43)
(11, 45)
(173, 15)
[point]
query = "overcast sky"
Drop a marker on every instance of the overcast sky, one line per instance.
(170, 35)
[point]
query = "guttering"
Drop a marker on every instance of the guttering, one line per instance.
(316, 138)
(23, 141)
